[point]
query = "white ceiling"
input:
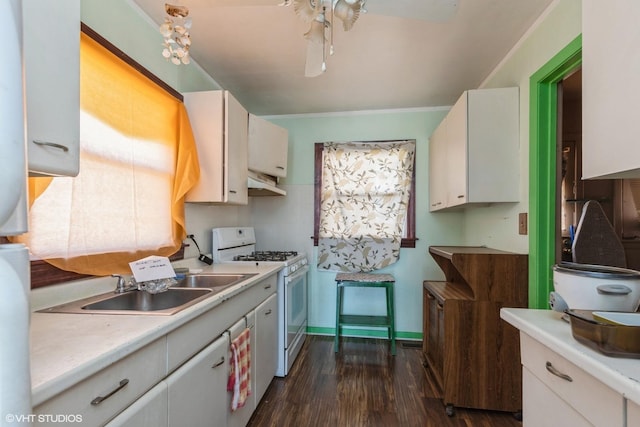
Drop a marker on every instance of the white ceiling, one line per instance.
(258, 53)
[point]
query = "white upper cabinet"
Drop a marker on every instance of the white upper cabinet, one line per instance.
(473, 154)
(51, 49)
(220, 128)
(268, 145)
(610, 89)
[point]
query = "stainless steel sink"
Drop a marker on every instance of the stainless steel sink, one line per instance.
(190, 290)
(169, 302)
(216, 281)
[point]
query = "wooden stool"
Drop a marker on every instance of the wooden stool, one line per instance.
(366, 280)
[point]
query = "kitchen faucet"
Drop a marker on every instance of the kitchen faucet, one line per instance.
(121, 286)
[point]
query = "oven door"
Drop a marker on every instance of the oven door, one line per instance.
(296, 304)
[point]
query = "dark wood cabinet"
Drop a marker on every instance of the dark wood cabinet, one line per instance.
(473, 354)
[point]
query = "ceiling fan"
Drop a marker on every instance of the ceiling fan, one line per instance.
(322, 13)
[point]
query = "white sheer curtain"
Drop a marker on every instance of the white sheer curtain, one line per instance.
(365, 194)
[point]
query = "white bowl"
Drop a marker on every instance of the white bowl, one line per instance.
(597, 287)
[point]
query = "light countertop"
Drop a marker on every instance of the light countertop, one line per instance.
(67, 348)
(548, 328)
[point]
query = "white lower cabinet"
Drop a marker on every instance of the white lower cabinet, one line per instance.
(149, 410)
(240, 417)
(197, 393)
(265, 343)
(181, 379)
(555, 392)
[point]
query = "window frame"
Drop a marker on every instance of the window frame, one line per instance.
(409, 241)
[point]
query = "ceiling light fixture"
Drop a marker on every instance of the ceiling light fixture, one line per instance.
(314, 11)
(175, 30)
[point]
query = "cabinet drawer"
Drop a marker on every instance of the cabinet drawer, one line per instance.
(556, 411)
(102, 396)
(598, 403)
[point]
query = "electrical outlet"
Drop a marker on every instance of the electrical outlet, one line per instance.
(522, 223)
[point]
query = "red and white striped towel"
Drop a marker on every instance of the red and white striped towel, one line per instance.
(240, 374)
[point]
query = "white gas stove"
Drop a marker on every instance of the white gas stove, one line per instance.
(238, 244)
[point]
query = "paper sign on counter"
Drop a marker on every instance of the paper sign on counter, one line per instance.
(152, 268)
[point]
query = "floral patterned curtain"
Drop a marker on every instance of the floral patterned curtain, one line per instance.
(365, 193)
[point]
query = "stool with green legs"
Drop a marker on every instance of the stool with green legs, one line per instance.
(366, 280)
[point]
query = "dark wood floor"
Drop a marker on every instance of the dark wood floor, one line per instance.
(362, 385)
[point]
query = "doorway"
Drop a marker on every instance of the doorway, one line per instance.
(545, 222)
(543, 169)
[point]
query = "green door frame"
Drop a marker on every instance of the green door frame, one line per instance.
(543, 112)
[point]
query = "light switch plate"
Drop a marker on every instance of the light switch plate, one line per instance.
(522, 223)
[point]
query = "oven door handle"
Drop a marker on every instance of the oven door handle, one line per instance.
(297, 274)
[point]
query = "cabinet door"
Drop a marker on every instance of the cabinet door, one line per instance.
(457, 162)
(51, 46)
(206, 110)
(149, 410)
(219, 125)
(266, 343)
(268, 145)
(240, 417)
(610, 89)
(438, 167)
(197, 390)
(434, 335)
(237, 123)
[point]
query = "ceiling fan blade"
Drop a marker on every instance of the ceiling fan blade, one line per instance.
(427, 10)
(315, 63)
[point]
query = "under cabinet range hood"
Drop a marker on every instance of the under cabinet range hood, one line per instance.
(263, 185)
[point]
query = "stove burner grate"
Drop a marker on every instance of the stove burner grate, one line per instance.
(266, 256)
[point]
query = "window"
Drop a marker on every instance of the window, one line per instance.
(137, 162)
(364, 202)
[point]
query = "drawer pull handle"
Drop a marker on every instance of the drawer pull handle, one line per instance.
(268, 286)
(280, 167)
(557, 373)
(268, 312)
(219, 363)
(98, 400)
(51, 144)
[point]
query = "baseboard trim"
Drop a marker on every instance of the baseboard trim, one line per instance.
(363, 333)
